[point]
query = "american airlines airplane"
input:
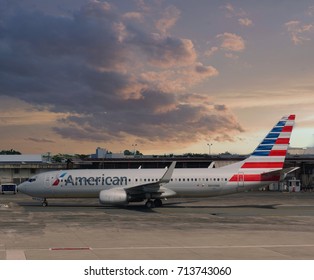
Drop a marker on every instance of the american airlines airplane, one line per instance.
(122, 186)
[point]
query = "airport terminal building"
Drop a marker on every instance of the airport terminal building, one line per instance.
(18, 168)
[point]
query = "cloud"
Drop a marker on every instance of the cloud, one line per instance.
(133, 16)
(231, 56)
(220, 107)
(310, 11)
(231, 42)
(229, 10)
(245, 21)
(211, 51)
(110, 79)
(299, 33)
(169, 19)
(182, 122)
(238, 13)
(165, 51)
(206, 70)
(39, 140)
(178, 80)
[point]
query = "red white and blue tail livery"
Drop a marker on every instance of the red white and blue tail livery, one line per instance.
(122, 186)
(268, 157)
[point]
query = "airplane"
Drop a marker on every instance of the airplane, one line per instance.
(122, 186)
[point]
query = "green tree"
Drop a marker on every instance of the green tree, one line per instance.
(10, 152)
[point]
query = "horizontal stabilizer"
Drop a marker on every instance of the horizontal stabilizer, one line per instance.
(281, 174)
(212, 164)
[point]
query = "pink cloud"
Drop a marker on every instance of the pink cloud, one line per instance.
(231, 42)
(299, 33)
(245, 21)
(169, 19)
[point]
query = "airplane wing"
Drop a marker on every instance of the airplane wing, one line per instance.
(154, 188)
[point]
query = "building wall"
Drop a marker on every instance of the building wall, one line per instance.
(18, 173)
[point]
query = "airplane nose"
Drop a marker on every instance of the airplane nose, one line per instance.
(21, 188)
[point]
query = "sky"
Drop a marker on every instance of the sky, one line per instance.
(171, 76)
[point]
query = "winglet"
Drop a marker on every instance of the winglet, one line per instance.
(168, 174)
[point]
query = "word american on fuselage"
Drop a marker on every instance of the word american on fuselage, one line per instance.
(96, 181)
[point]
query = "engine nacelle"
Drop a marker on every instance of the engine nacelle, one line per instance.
(113, 196)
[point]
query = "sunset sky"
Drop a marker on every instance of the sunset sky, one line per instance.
(169, 76)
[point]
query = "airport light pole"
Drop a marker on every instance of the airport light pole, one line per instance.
(134, 145)
(209, 145)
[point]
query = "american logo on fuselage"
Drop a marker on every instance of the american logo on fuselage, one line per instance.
(96, 181)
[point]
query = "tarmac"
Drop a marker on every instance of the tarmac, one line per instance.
(246, 226)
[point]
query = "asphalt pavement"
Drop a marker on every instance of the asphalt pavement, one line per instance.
(252, 225)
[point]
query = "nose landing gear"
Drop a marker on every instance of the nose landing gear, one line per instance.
(44, 203)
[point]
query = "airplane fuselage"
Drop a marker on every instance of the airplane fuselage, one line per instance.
(88, 183)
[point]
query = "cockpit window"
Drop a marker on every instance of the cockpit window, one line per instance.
(32, 179)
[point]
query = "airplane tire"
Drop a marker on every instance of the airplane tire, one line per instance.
(149, 204)
(45, 204)
(157, 202)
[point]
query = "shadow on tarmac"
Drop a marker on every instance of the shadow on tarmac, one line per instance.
(141, 207)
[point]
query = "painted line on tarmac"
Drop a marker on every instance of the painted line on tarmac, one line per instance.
(15, 255)
(207, 247)
(70, 249)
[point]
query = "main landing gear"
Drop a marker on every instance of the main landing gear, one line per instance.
(153, 203)
(44, 203)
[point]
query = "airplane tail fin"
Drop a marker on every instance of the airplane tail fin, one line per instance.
(268, 157)
(270, 154)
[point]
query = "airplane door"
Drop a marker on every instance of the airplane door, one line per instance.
(48, 181)
(241, 179)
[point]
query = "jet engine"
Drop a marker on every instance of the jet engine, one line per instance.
(113, 196)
